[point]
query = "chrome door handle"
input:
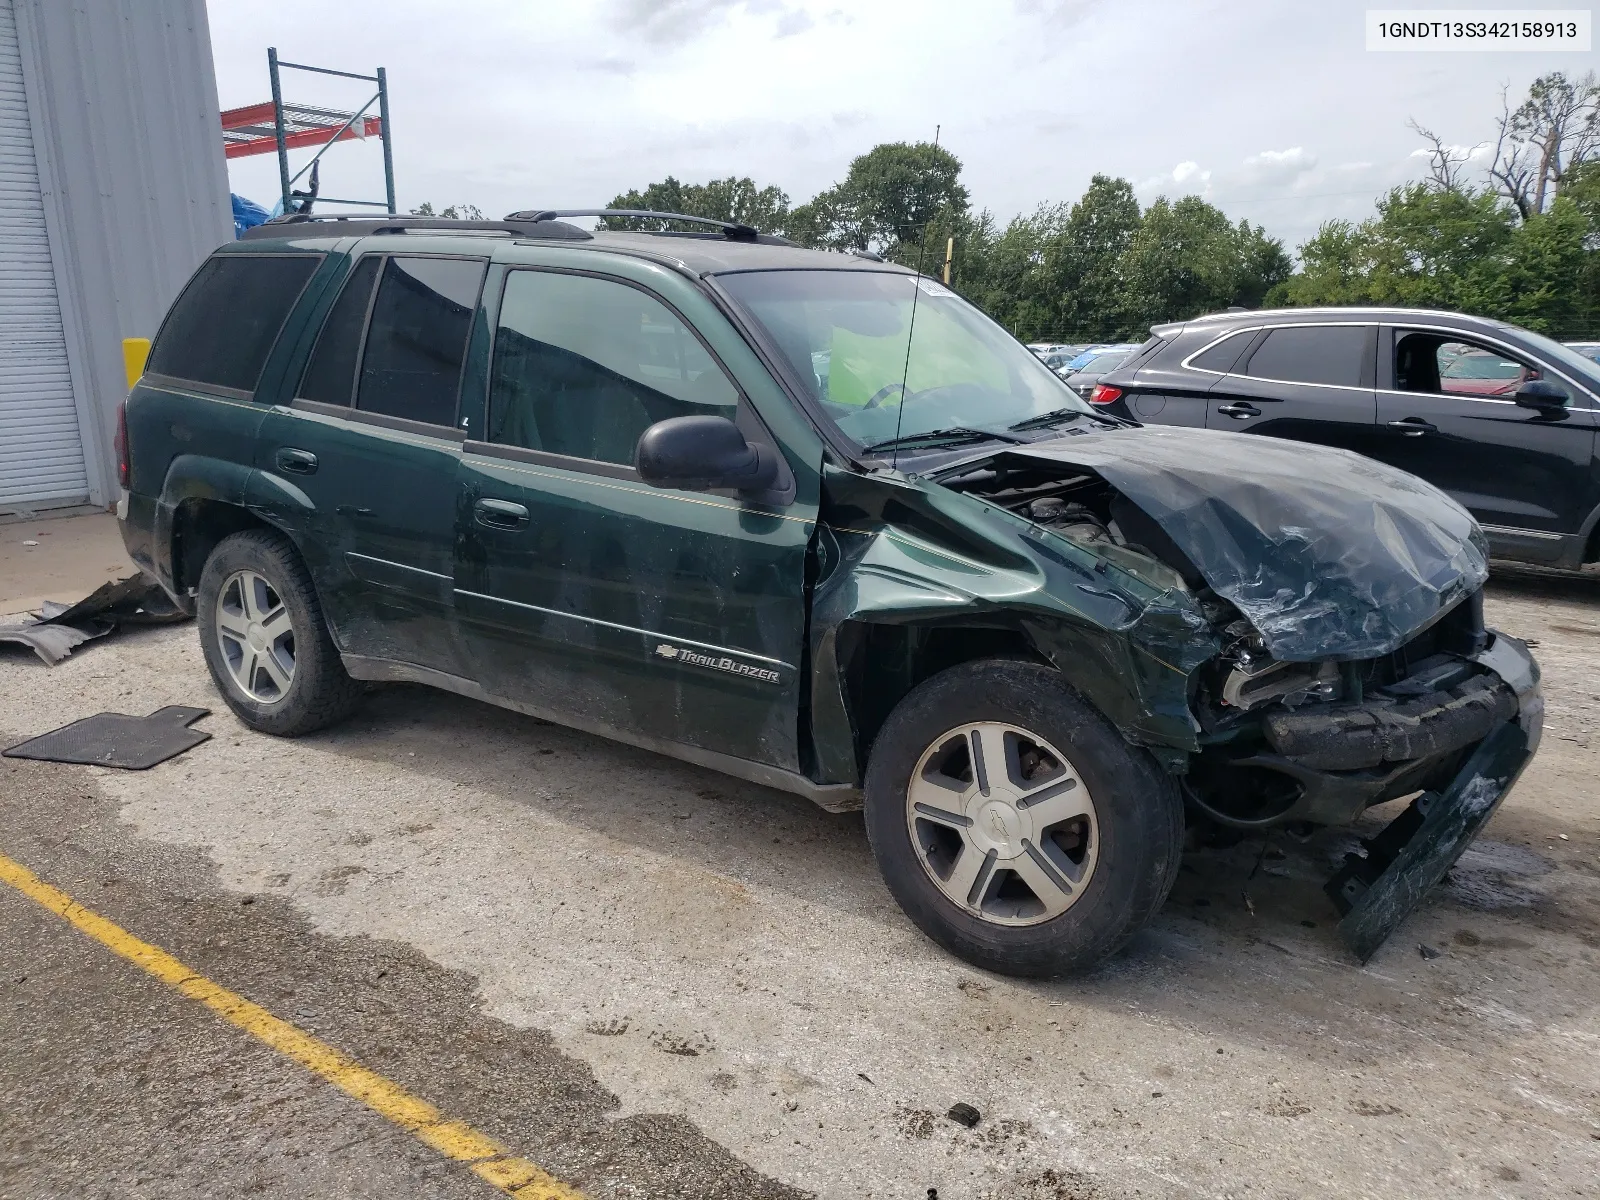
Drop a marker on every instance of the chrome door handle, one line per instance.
(1239, 411)
(297, 462)
(500, 514)
(1413, 427)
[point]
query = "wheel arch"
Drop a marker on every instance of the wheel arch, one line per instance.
(875, 664)
(198, 526)
(1589, 538)
(204, 500)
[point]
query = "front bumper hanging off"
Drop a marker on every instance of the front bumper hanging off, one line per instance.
(1377, 890)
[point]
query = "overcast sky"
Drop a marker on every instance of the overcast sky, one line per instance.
(1274, 111)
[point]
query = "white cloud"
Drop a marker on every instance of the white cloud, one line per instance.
(1279, 166)
(1479, 153)
(671, 22)
(795, 20)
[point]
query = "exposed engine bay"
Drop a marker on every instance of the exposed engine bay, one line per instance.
(1285, 742)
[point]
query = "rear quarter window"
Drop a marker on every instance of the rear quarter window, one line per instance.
(223, 326)
(1221, 356)
(1143, 354)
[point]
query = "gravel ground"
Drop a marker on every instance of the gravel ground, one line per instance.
(658, 981)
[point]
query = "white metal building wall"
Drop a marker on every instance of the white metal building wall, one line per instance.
(120, 99)
(41, 448)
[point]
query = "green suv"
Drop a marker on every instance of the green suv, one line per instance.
(811, 520)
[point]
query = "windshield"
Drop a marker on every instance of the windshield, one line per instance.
(845, 334)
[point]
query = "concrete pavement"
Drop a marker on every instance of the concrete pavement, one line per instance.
(580, 921)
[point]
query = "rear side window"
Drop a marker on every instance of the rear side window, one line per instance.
(1329, 354)
(222, 328)
(583, 366)
(331, 376)
(417, 338)
(1221, 357)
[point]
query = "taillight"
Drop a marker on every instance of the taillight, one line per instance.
(123, 471)
(1104, 393)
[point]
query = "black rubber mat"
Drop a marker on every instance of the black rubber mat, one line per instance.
(118, 740)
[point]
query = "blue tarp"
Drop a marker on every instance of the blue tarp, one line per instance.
(247, 214)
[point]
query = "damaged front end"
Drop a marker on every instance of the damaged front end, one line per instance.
(1349, 664)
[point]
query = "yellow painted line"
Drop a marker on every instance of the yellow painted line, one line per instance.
(484, 1156)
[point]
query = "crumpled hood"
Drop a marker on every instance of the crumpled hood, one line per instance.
(1328, 554)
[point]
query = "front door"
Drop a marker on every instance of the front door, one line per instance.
(1446, 412)
(1308, 383)
(585, 593)
(367, 455)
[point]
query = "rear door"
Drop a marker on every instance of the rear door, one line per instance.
(585, 593)
(366, 455)
(1308, 383)
(1446, 413)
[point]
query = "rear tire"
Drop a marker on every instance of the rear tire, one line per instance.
(265, 640)
(1014, 825)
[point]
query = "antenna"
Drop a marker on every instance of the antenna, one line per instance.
(911, 330)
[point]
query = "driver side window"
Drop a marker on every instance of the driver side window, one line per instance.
(1438, 364)
(583, 366)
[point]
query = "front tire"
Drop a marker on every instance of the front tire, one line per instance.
(265, 640)
(1014, 825)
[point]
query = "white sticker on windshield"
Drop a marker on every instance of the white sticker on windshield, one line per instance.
(931, 288)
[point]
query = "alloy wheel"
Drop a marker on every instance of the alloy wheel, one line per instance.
(256, 636)
(1002, 823)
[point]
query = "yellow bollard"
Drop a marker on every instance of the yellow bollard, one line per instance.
(134, 353)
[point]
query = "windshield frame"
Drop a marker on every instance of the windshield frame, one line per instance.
(782, 369)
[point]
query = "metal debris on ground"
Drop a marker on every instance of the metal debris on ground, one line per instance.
(118, 740)
(57, 629)
(52, 643)
(963, 1114)
(1428, 951)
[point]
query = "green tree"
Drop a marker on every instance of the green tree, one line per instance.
(1464, 251)
(886, 202)
(1187, 258)
(897, 189)
(1333, 269)
(1426, 248)
(1082, 267)
(736, 199)
(456, 212)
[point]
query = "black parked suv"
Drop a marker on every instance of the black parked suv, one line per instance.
(1501, 418)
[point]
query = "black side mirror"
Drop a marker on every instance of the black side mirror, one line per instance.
(1542, 394)
(697, 454)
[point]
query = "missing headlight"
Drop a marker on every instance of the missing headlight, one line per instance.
(1254, 682)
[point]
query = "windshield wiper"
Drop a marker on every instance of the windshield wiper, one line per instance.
(1044, 420)
(954, 435)
(1054, 416)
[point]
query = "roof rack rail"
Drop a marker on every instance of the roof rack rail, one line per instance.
(732, 230)
(355, 225)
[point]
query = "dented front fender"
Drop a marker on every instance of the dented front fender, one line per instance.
(896, 550)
